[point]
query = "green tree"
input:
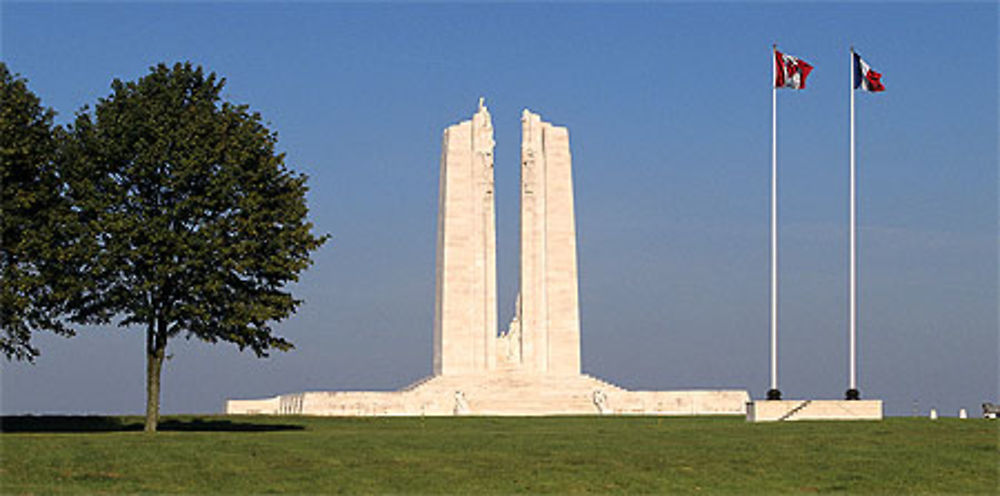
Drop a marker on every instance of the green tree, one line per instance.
(33, 286)
(193, 223)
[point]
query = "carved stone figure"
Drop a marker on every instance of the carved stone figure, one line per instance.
(461, 405)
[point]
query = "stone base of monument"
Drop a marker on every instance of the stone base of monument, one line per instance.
(500, 394)
(791, 410)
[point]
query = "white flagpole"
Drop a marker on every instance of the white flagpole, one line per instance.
(774, 393)
(852, 391)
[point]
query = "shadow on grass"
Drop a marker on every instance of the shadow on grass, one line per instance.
(61, 423)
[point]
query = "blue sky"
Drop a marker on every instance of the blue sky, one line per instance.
(668, 107)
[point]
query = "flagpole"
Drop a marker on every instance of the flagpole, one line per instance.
(852, 392)
(774, 393)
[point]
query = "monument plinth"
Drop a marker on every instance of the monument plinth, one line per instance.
(794, 410)
(534, 367)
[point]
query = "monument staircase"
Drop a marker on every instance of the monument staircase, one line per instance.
(510, 392)
(791, 413)
(417, 384)
(502, 393)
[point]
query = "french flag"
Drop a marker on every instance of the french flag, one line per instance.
(790, 72)
(865, 78)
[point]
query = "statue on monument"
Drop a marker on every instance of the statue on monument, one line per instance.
(510, 341)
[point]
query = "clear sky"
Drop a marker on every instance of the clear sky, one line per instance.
(669, 111)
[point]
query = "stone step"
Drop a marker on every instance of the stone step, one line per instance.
(418, 383)
(493, 405)
(515, 381)
(606, 385)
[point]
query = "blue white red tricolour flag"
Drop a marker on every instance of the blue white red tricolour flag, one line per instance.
(864, 77)
(790, 72)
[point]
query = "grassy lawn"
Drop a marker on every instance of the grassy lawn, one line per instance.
(216, 454)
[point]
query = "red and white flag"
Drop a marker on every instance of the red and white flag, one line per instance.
(790, 72)
(865, 78)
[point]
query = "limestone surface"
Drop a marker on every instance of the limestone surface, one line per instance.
(504, 393)
(465, 310)
(549, 310)
(793, 410)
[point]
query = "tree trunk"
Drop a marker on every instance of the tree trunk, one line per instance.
(156, 347)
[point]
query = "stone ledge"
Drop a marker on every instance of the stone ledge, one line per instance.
(794, 410)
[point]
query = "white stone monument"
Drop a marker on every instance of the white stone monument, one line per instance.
(549, 312)
(465, 309)
(534, 367)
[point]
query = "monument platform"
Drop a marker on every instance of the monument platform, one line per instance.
(509, 393)
(792, 410)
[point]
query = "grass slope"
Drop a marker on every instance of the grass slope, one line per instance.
(496, 455)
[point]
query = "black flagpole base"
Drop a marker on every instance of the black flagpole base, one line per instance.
(773, 394)
(853, 394)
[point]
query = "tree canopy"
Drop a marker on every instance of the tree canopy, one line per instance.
(34, 284)
(191, 223)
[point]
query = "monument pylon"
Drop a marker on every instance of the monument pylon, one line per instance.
(548, 313)
(549, 298)
(465, 308)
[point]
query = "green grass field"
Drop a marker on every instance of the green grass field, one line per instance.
(217, 454)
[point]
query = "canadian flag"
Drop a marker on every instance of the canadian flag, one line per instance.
(865, 78)
(790, 72)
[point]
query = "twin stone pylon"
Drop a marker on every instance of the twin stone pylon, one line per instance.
(534, 367)
(544, 336)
